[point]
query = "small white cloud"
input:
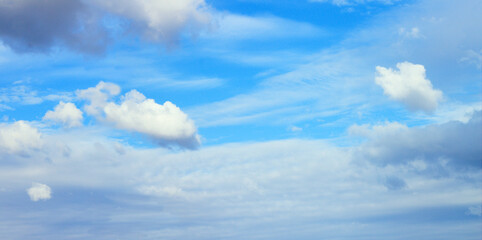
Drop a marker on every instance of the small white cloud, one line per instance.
(409, 86)
(39, 191)
(410, 33)
(18, 137)
(296, 129)
(98, 96)
(473, 57)
(65, 113)
(166, 123)
(474, 210)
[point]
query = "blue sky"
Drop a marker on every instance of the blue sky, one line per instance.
(244, 119)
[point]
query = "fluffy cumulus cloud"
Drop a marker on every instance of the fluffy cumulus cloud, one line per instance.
(165, 123)
(38, 25)
(98, 96)
(409, 86)
(162, 20)
(19, 137)
(39, 191)
(65, 113)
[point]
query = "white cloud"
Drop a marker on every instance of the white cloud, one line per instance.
(18, 137)
(161, 20)
(39, 191)
(409, 33)
(296, 129)
(473, 57)
(409, 86)
(98, 96)
(166, 123)
(475, 210)
(66, 113)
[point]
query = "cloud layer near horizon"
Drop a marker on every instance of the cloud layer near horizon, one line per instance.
(307, 185)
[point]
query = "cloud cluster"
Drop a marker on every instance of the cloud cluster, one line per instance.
(65, 113)
(39, 191)
(166, 124)
(409, 86)
(18, 137)
(40, 25)
(453, 144)
(98, 97)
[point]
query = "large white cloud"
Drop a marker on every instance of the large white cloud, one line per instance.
(39, 191)
(65, 113)
(410, 86)
(165, 123)
(19, 137)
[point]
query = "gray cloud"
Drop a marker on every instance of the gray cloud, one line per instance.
(453, 144)
(39, 25)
